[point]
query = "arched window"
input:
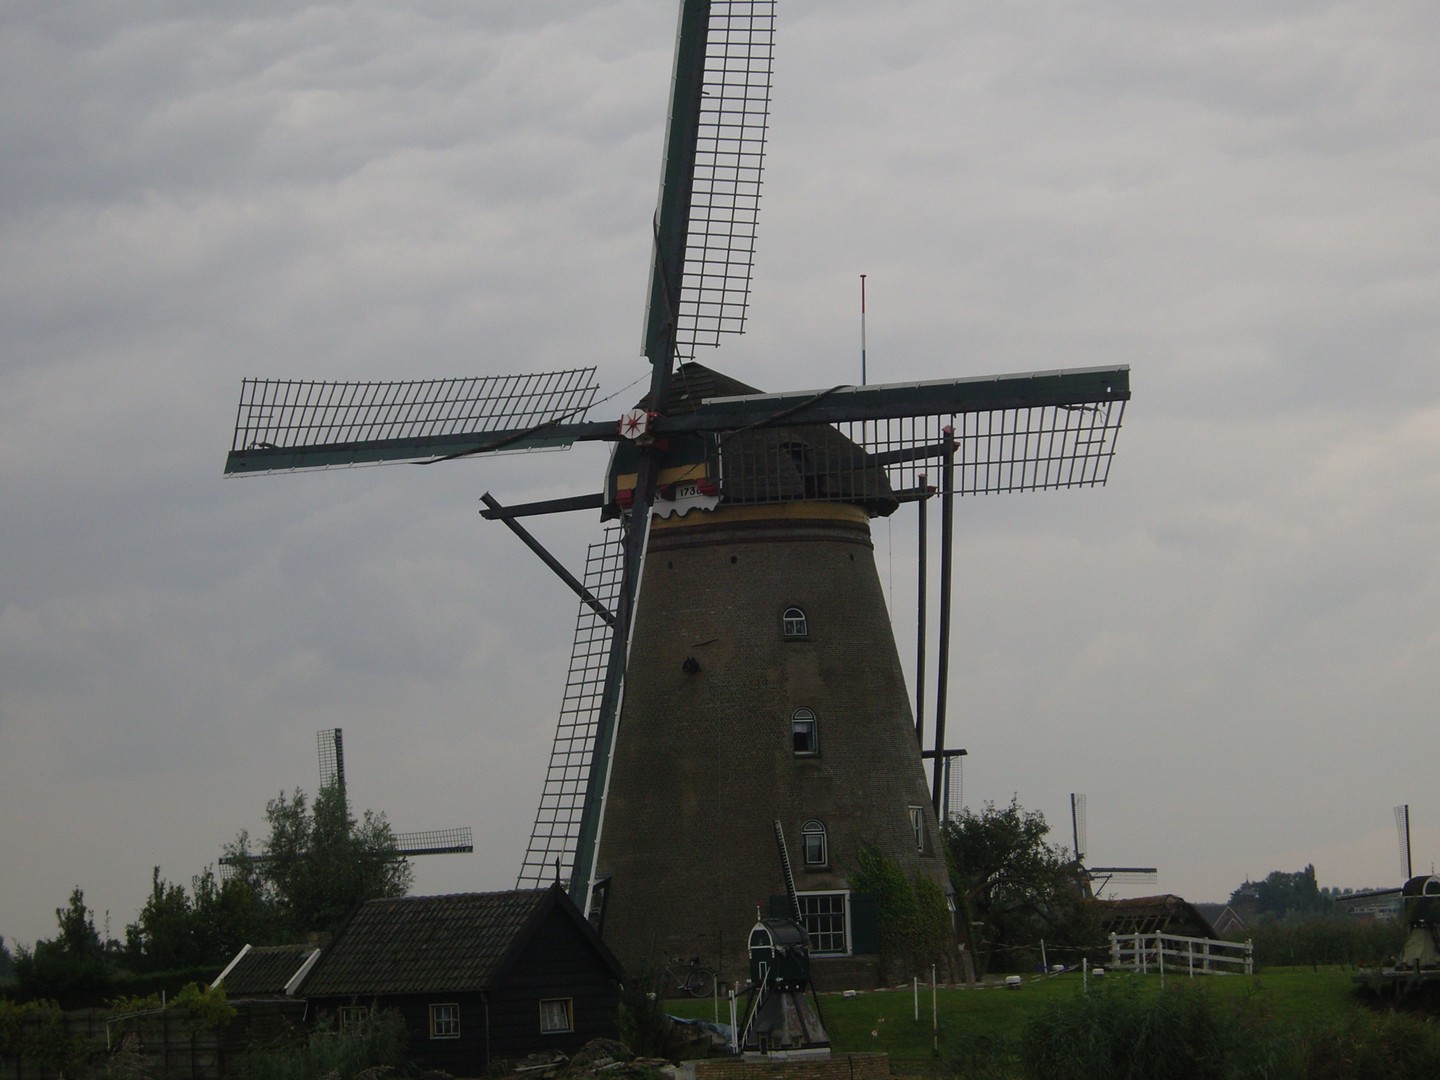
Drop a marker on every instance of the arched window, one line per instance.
(812, 839)
(793, 623)
(805, 731)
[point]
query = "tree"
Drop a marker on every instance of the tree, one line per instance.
(1282, 894)
(1012, 887)
(320, 864)
(7, 964)
(75, 966)
(177, 931)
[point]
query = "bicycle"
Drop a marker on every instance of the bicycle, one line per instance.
(697, 980)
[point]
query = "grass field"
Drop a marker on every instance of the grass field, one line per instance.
(885, 1020)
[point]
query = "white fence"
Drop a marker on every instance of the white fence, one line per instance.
(1181, 955)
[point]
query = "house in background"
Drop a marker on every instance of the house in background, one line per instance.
(1225, 919)
(1167, 914)
(478, 977)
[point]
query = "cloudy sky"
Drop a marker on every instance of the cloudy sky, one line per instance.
(1233, 649)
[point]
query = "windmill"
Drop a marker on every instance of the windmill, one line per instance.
(1094, 879)
(330, 745)
(734, 661)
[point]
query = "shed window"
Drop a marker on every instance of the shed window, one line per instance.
(812, 839)
(793, 623)
(556, 1015)
(804, 732)
(445, 1021)
(352, 1017)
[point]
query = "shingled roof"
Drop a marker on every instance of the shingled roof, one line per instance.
(424, 944)
(1166, 914)
(264, 970)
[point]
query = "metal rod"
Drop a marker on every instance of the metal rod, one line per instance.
(942, 681)
(576, 586)
(920, 626)
(862, 329)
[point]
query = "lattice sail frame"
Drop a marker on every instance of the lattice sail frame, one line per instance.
(556, 831)
(729, 159)
(1002, 450)
(361, 423)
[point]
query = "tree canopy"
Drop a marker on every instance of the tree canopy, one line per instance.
(1013, 888)
(316, 866)
(72, 967)
(319, 863)
(1282, 894)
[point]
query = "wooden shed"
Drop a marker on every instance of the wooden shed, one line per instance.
(479, 977)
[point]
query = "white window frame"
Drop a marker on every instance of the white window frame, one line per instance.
(445, 1020)
(567, 1006)
(353, 1016)
(794, 624)
(917, 827)
(811, 829)
(818, 942)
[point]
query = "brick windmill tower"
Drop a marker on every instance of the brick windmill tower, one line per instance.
(734, 663)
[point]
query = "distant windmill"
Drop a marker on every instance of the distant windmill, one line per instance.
(331, 745)
(1103, 875)
(1402, 826)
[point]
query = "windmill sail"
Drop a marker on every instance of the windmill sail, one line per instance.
(729, 157)
(562, 799)
(290, 424)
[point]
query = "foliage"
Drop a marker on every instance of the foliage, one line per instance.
(7, 964)
(73, 967)
(1182, 1033)
(1327, 939)
(319, 864)
(1373, 1046)
(644, 1026)
(1282, 894)
(176, 931)
(372, 1048)
(1013, 888)
(34, 1032)
(914, 919)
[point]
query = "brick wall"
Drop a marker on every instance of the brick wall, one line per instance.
(704, 760)
(834, 1067)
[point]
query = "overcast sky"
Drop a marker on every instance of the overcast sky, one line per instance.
(1233, 649)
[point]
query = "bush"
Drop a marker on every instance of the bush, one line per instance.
(1326, 939)
(1119, 1030)
(1374, 1046)
(376, 1044)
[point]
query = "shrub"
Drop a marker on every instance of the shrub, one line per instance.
(1374, 1046)
(1119, 1030)
(372, 1048)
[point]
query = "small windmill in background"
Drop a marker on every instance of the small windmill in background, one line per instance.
(1093, 879)
(331, 745)
(1402, 827)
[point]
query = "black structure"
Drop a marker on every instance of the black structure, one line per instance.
(479, 977)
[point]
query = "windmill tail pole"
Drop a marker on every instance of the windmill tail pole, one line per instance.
(942, 681)
(920, 618)
(862, 329)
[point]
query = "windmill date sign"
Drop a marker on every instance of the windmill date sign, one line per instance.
(750, 674)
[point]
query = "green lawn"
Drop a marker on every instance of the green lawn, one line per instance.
(885, 1020)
